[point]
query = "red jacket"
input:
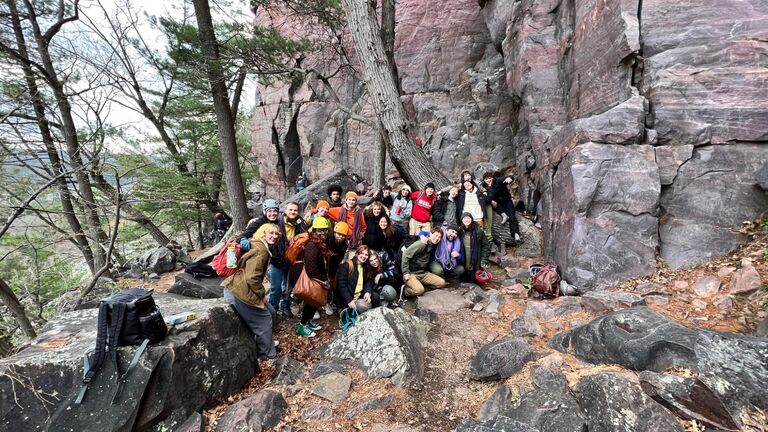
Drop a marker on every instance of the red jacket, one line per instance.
(422, 206)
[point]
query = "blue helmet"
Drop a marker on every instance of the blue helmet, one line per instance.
(268, 204)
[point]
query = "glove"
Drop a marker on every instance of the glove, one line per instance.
(245, 245)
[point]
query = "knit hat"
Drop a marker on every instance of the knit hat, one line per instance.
(423, 233)
(350, 194)
(453, 226)
(320, 222)
(465, 214)
(322, 203)
(342, 228)
(406, 187)
(429, 185)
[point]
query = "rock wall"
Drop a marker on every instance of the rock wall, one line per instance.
(637, 127)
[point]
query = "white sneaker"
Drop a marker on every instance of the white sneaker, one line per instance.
(517, 237)
(328, 309)
(276, 343)
(316, 316)
(504, 218)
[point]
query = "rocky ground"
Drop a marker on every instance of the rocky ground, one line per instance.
(725, 295)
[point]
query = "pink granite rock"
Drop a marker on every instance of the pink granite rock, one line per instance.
(706, 286)
(745, 281)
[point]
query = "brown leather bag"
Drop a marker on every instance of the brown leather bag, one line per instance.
(310, 291)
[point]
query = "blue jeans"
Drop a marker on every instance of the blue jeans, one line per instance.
(278, 284)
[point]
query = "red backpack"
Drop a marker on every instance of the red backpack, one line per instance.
(219, 262)
(296, 247)
(546, 281)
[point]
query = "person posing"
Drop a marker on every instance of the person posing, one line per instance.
(382, 292)
(385, 237)
(475, 247)
(445, 211)
(447, 254)
(290, 224)
(354, 289)
(471, 201)
(415, 264)
(422, 209)
(401, 209)
(321, 209)
(371, 214)
(314, 260)
(334, 195)
(353, 216)
(385, 196)
(245, 290)
(501, 201)
(270, 210)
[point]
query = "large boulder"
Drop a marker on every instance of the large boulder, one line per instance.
(500, 359)
(733, 366)
(200, 362)
(385, 343)
(256, 413)
(548, 411)
(204, 288)
(612, 403)
(158, 261)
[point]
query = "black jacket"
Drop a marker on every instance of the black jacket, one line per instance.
(481, 198)
(346, 281)
(440, 207)
(498, 191)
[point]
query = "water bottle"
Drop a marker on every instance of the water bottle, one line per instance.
(231, 256)
(181, 318)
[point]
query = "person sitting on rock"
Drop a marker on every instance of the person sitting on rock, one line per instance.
(354, 286)
(422, 209)
(447, 255)
(245, 290)
(475, 247)
(385, 196)
(386, 237)
(401, 209)
(353, 216)
(314, 260)
(446, 211)
(415, 264)
(334, 195)
(382, 292)
(501, 200)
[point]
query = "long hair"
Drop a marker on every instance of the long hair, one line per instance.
(373, 271)
(389, 231)
(369, 210)
(359, 249)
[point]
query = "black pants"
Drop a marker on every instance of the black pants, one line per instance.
(509, 209)
(307, 313)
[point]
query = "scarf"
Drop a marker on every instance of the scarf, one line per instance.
(444, 249)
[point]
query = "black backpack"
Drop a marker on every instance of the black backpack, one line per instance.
(199, 270)
(129, 317)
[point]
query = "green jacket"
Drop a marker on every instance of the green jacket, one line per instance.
(416, 257)
(248, 284)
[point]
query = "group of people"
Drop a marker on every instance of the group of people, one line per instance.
(396, 247)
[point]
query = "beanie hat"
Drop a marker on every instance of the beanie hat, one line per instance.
(424, 233)
(453, 226)
(429, 185)
(342, 228)
(322, 203)
(406, 187)
(320, 222)
(350, 194)
(465, 214)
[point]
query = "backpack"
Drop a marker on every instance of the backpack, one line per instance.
(219, 262)
(129, 317)
(296, 247)
(199, 270)
(546, 281)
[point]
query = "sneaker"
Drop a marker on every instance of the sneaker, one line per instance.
(304, 331)
(517, 237)
(504, 218)
(312, 325)
(328, 309)
(275, 343)
(316, 316)
(286, 312)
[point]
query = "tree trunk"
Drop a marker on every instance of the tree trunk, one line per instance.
(97, 236)
(387, 34)
(412, 163)
(379, 163)
(224, 119)
(50, 148)
(9, 299)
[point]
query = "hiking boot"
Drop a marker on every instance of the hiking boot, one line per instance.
(312, 325)
(304, 331)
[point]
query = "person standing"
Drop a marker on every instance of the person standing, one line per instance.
(245, 290)
(334, 195)
(445, 211)
(415, 264)
(313, 260)
(422, 209)
(475, 247)
(385, 196)
(471, 201)
(353, 216)
(402, 206)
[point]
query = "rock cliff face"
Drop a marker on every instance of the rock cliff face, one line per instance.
(637, 127)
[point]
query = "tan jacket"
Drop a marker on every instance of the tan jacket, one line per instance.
(248, 285)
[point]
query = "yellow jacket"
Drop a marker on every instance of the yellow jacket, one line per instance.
(248, 284)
